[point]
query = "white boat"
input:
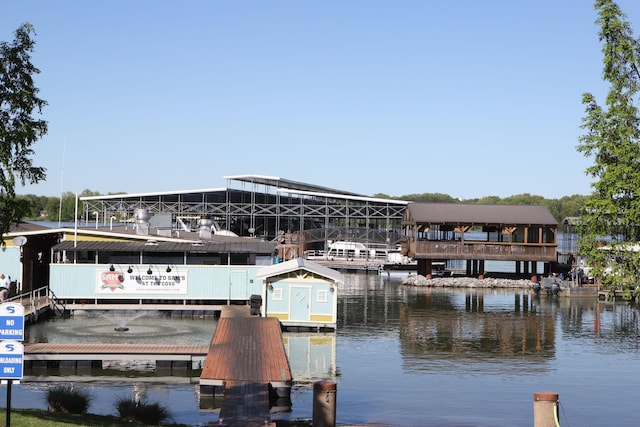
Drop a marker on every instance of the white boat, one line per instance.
(345, 250)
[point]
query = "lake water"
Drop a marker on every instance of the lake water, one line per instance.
(412, 357)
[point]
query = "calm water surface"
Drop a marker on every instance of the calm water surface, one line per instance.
(410, 357)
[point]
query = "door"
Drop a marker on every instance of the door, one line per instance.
(300, 303)
(238, 285)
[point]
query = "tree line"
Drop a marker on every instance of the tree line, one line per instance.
(62, 208)
(567, 206)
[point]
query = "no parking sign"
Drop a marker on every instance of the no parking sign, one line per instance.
(11, 321)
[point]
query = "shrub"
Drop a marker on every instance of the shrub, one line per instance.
(141, 411)
(66, 398)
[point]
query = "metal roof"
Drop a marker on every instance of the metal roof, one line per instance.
(288, 184)
(218, 245)
(458, 213)
(152, 194)
(299, 264)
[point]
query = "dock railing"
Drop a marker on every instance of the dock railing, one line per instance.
(33, 301)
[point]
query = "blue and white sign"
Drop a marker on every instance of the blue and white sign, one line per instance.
(11, 321)
(11, 358)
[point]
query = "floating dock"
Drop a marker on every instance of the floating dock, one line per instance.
(247, 367)
(82, 356)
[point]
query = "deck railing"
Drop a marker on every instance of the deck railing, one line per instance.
(33, 300)
(498, 251)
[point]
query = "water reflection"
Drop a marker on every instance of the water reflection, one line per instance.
(441, 326)
(312, 356)
(424, 356)
(475, 356)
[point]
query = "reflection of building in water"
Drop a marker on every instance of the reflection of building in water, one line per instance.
(440, 325)
(312, 356)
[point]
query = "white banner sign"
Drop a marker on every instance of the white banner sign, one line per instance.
(139, 282)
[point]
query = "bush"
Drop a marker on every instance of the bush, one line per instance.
(65, 398)
(141, 411)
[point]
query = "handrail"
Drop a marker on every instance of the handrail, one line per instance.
(32, 296)
(54, 301)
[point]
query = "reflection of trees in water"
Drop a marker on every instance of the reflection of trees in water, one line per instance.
(435, 325)
(603, 323)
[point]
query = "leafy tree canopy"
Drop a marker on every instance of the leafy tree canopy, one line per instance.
(18, 128)
(610, 225)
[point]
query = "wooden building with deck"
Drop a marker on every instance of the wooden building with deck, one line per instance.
(523, 234)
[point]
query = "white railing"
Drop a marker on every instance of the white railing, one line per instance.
(31, 300)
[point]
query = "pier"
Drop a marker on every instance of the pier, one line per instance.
(76, 357)
(247, 367)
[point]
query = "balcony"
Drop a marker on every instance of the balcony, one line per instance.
(480, 250)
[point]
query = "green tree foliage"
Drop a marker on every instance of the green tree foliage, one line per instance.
(610, 226)
(18, 128)
(64, 211)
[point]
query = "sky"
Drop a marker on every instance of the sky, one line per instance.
(466, 98)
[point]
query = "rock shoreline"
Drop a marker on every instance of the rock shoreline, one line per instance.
(465, 282)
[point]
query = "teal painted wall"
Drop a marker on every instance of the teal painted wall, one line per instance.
(195, 282)
(10, 262)
(284, 287)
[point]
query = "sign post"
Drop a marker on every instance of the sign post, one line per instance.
(11, 349)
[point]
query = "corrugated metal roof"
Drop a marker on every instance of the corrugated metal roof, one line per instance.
(299, 264)
(456, 213)
(219, 246)
(288, 184)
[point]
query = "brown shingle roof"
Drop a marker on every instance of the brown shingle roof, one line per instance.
(457, 213)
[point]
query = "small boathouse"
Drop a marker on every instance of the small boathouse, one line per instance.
(301, 293)
(439, 232)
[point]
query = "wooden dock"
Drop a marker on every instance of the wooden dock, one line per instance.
(84, 357)
(248, 366)
(102, 351)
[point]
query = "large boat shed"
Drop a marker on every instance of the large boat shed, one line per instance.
(299, 216)
(476, 233)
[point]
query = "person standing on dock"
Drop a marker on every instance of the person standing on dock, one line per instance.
(5, 286)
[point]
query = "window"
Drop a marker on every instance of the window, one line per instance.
(278, 294)
(323, 296)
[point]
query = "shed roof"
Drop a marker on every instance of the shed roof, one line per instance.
(457, 213)
(213, 246)
(299, 264)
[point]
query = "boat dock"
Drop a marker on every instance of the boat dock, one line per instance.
(75, 357)
(247, 367)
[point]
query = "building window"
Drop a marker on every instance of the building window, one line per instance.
(323, 296)
(277, 294)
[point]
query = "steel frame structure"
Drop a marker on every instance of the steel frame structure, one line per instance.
(267, 207)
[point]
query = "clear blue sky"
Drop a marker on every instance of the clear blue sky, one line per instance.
(467, 98)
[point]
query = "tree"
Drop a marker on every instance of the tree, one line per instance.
(18, 128)
(610, 225)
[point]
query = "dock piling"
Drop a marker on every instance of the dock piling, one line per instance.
(324, 404)
(545, 409)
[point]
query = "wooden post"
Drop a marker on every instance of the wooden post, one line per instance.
(324, 404)
(545, 409)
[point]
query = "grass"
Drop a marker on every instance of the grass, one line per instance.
(39, 417)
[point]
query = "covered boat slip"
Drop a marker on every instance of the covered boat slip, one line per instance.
(477, 233)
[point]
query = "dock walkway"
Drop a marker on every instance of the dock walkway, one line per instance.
(76, 357)
(248, 365)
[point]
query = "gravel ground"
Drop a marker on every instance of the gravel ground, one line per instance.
(466, 282)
